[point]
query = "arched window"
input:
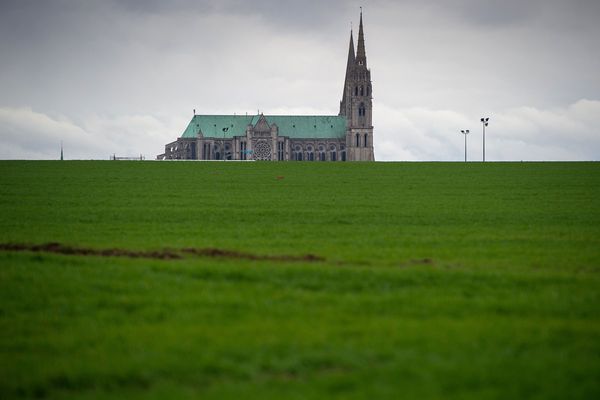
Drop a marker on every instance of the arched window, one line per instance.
(368, 90)
(361, 110)
(362, 93)
(298, 153)
(356, 91)
(357, 140)
(243, 151)
(343, 153)
(280, 151)
(366, 140)
(321, 153)
(333, 153)
(310, 155)
(217, 152)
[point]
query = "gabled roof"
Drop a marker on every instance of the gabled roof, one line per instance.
(293, 126)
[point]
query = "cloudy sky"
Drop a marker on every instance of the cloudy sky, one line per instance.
(123, 76)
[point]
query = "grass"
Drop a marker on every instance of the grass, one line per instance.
(440, 281)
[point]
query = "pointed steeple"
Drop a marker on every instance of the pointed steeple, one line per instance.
(361, 56)
(349, 70)
(350, 56)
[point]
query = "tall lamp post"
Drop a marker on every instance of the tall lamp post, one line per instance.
(223, 149)
(484, 122)
(465, 132)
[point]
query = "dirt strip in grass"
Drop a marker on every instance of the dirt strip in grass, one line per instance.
(164, 254)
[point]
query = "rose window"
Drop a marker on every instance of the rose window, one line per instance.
(262, 151)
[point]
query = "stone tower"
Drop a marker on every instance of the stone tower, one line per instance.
(357, 102)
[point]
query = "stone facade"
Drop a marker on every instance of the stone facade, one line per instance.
(345, 137)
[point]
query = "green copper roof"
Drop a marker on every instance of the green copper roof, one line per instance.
(293, 126)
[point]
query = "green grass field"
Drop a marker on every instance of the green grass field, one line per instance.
(432, 280)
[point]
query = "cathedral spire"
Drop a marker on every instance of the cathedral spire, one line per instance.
(349, 69)
(361, 56)
(351, 57)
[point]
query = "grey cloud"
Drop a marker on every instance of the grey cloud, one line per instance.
(27, 134)
(309, 16)
(524, 133)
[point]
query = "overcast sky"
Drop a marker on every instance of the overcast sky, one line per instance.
(123, 76)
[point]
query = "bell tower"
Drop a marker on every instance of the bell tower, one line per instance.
(357, 102)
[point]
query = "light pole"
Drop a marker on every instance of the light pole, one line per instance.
(484, 122)
(465, 132)
(223, 143)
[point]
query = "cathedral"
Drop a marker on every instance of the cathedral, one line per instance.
(347, 136)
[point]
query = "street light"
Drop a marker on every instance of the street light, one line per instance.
(465, 132)
(223, 149)
(484, 122)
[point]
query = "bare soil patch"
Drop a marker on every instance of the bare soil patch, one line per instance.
(164, 254)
